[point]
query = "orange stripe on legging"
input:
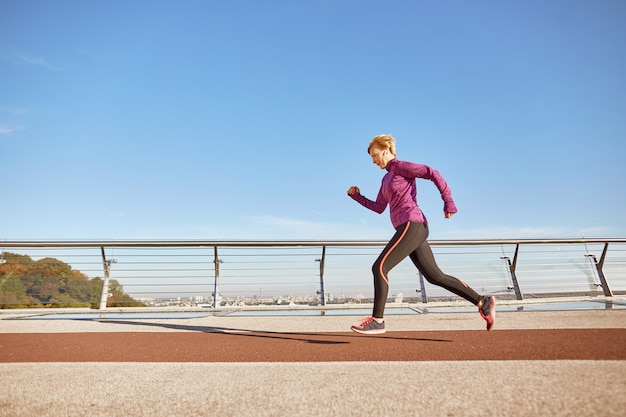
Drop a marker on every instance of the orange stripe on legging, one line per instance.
(406, 229)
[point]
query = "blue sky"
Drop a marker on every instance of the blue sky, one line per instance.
(250, 120)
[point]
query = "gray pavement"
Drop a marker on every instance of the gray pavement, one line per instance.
(444, 388)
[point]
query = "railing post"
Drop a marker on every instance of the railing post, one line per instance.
(512, 266)
(422, 289)
(106, 264)
(321, 291)
(599, 265)
(216, 283)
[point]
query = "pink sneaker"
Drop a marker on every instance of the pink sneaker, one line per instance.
(369, 326)
(488, 311)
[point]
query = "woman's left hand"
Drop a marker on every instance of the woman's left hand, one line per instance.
(448, 215)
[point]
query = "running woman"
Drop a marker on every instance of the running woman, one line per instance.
(399, 191)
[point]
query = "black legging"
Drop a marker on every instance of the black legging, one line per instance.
(410, 240)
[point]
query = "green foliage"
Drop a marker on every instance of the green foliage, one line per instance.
(50, 282)
(12, 291)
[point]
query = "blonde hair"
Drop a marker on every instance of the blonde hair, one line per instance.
(383, 142)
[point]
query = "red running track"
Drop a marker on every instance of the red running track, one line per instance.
(222, 346)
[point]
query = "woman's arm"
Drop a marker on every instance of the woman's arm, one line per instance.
(377, 206)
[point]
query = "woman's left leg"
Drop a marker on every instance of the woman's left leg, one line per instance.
(424, 260)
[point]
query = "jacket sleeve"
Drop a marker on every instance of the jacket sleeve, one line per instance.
(377, 206)
(413, 170)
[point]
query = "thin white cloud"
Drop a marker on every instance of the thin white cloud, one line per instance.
(38, 61)
(8, 130)
(13, 117)
(23, 59)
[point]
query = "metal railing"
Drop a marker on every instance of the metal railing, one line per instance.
(212, 272)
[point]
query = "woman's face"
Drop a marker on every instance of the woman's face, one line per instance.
(380, 157)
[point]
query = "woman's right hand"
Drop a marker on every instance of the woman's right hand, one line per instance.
(354, 189)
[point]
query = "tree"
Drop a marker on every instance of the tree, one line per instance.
(12, 290)
(119, 298)
(50, 282)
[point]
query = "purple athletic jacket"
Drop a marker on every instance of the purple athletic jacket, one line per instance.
(398, 189)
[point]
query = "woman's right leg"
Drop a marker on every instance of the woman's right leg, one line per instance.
(403, 243)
